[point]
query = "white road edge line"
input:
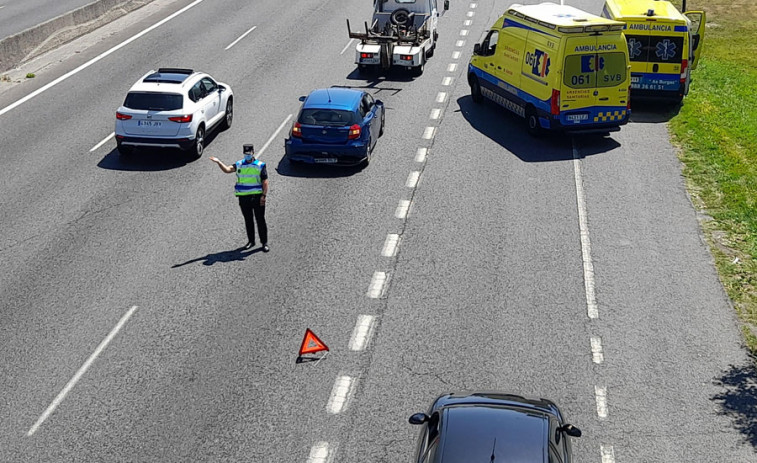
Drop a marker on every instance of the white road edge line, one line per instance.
(412, 179)
(105, 140)
(601, 394)
(596, 350)
(340, 394)
(362, 333)
(275, 134)
(377, 285)
(96, 59)
(62, 395)
(608, 453)
(321, 452)
(583, 225)
(390, 245)
(346, 46)
(241, 37)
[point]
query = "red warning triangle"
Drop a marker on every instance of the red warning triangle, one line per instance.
(311, 343)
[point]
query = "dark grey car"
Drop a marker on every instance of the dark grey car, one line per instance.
(493, 427)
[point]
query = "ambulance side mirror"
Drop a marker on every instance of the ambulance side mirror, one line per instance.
(477, 49)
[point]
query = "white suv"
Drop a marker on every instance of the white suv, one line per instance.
(173, 108)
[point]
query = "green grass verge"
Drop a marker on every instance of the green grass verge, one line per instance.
(716, 131)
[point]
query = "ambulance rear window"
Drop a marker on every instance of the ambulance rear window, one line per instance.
(655, 48)
(594, 70)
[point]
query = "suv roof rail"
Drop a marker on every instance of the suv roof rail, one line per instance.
(176, 70)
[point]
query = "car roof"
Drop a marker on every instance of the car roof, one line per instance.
(333, 98)
(167, 80)
(476, 432)
(497, 398)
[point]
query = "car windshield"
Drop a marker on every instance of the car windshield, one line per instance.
(337, 117)
(154, 101)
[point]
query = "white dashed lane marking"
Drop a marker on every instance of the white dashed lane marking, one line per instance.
(321, 452)
(470, 14)
(62, 395)
(363, 332)
(436, 113)
(340, 394)
(455, 55)
(608, 453)
(596, 350)
(428, 134)
(268, 143)
(473, 6)
(105, 140)
(441, 97)
(420, 155)
(390, 245)
(346, 46)
(447, 81)
(467, 22)
(377, 285)
(241, 37)
(402, 209)
(601, 394)
(464, 32)
(460, 43)
(452, 67)
(412, 179)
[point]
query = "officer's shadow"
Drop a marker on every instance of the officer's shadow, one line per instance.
(235, 255)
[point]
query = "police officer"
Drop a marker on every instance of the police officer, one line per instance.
(252, 189)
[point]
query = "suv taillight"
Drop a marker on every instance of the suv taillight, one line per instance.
(187, 118)
(122, 116)
(297, 130)
(555, 102)
(354, 132)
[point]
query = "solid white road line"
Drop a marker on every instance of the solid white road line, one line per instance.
(583, 225)
(608, 453)
(62, 395)
(420, 155)
(321, 452)
(340, 394)
(281, 126)
(362, 333)
(402, 209)
(601, 394)
(447, 81)
(96, 59)
(377, 285)
(436, 113)
(241, 37)
(105, 140)
(390, 245)
(441, 97)
(452, 67)
(412, 179)
(596, 350)
(346, 46)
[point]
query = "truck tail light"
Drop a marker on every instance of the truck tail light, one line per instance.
(406, 57)
(366, 55)
(684, 67)
(182, 119)
(354, 132)
(297, 130)
(122, 116)
(555, 102)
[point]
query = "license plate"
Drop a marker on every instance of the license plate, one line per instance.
(149, 123)
(635, 80)
(325, 160)
(577, 117)
(369, 60)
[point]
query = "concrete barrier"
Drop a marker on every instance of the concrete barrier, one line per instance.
(32, 42)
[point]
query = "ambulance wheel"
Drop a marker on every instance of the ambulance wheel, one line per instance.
(532, 119)
(475, 90)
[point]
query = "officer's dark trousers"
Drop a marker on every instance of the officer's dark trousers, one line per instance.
(252, 212)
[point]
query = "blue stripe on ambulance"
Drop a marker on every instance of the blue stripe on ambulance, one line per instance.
(655, 81)
(511, 23)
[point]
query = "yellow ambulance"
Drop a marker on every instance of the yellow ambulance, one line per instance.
(664, 45)
(558, 67)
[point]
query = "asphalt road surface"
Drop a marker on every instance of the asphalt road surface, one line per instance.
(18, 15)
(132, 329)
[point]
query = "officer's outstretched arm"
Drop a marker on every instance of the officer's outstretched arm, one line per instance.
(224, 167)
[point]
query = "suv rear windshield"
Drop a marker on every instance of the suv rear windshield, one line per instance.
(595, 70)
(154, 101)
(315, 116)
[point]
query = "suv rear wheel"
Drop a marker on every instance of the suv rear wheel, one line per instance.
(199, 145)
(124, 150)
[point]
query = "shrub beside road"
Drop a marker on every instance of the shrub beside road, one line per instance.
(716, 131)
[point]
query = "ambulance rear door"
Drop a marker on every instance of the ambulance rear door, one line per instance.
(696, 33)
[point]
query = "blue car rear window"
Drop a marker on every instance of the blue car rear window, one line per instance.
(154, 101)
(316, 116)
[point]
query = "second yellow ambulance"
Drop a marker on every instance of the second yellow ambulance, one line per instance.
(558, 67)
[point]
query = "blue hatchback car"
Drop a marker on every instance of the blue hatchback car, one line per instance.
(336, 126)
